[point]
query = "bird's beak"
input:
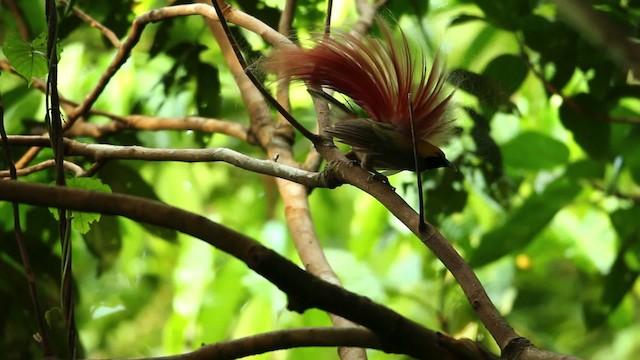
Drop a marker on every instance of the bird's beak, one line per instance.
(450, 165)
(435, 162)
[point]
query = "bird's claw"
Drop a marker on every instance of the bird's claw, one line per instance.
(383, 179)
(353, 162)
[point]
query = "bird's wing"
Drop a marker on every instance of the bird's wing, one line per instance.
(360, 134)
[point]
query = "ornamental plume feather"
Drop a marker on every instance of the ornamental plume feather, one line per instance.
(377, 74)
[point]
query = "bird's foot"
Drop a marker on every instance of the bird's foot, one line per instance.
(383, 179)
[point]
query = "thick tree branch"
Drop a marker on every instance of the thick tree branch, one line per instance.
(304, 290)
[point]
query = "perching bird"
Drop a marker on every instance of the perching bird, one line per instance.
(380, 76)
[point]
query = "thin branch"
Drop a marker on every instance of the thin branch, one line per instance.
(138, 26)
(327, 18)
(282, 87)
(100, 152)
(68, 165)
(22, 247)
(53, 119)
(498, 327)
(635, 197)
(282, 340)
(236, 49)
(143, 122)
(110, 35)
(23, 28)
(368, 11)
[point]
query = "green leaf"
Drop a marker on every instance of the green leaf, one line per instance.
(508, 72)
(104, 241)
(505, 14)
(464, 18)
(525, 223)
(624, 271)
(127, 180)
(81, 221)
(592, 134)
(499, 80)
(446, 197)
(28, 58)
(534, 151)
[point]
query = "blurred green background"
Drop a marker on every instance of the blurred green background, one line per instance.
(545, 205)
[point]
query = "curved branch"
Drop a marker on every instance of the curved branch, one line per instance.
(137, 27)
(95, 24)
(304, 290)
(68, 165)
(282, 340)
(498, 327)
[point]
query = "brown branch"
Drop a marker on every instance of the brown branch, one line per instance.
(23, 28)
(368, 12)
(282, 340)
(101, 152)
(153, 16)
(110, 35)
(239, 58)
(68, 165)
(304, 290)
(635, 197)
(473, 289)
(143, 122)
(277, 142)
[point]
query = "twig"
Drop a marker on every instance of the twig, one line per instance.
(53, 119)
(368, 12)
(282, 340)
(24, 254)
(327, 18)
(69, 166)
(282, 87)
(143, 122)
(23, 28)
(110, 35)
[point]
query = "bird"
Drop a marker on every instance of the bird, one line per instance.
(406, 109)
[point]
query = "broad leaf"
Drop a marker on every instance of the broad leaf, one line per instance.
(534, 151)
(81, 221)
(525, 223)
(28, 58)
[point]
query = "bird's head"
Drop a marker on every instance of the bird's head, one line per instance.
(431, 157)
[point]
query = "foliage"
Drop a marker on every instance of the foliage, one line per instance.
(545, 204)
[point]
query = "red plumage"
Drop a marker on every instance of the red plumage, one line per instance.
(377, 74)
